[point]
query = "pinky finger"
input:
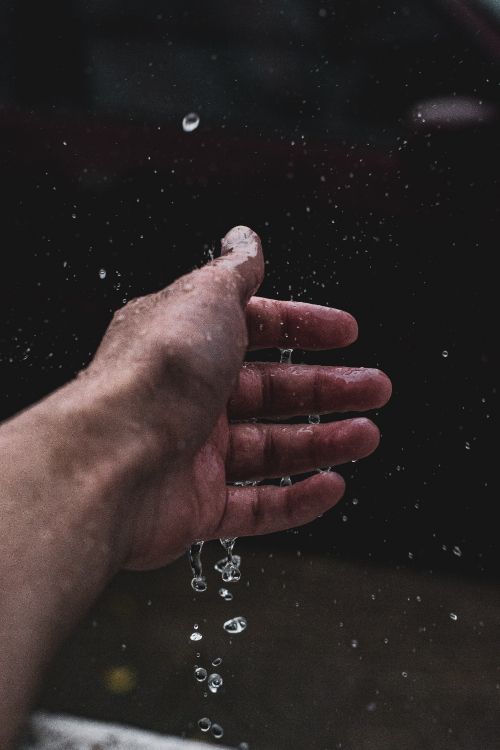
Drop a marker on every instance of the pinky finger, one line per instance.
(265, 509)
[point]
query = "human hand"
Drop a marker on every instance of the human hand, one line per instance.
(167, 391)
(128, 464)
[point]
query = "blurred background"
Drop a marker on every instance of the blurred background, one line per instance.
(361, 141)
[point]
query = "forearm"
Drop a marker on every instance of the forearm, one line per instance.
(57, 549)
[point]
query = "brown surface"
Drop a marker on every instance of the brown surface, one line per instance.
(293, 679)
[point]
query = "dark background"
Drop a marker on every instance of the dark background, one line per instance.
(360, 140)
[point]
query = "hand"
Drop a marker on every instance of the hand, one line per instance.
(129, 464)
(167, 382)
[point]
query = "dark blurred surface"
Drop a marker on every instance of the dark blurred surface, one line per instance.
(335, 656)
(359, 140)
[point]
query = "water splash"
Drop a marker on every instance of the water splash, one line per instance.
(198, 582)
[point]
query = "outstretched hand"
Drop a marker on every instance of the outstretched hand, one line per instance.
(173, 389)
(129, 464)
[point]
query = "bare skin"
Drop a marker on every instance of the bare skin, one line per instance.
(128, 464)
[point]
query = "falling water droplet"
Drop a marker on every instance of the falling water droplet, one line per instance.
(217, 731)
(220, 564)
(198, 582)
(457, 551)
(102, 273)
(195, 636)
(200, 674)
(444, 353)
(217, 661)
(235, 625)
(215, 682)
(243, 746)
(354, 643)
(231, 573)
(190, 122)
(230, 567)
(286, 356)
(204, 724)
(453, 616)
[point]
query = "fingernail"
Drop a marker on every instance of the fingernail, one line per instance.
(239, 235)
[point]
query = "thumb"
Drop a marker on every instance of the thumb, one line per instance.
(241, 254)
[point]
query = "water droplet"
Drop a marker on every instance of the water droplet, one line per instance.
(314, 419)
(243, 746)
(195, 636)
(453, 616)
(220, 564)
(200, 674)
(231, 573)
(404, 674)
(354, 643)
(217, 731)
(225, 594)
(286, 356)
(102, 273)
(199, 584)
(215, 682)
(285, 481)
(235, 625)
(230, 567)
(204, 724)
(217, 661)
(444, 353)
(467, 445)
(371, 707)
(457, 551)
(190, 122)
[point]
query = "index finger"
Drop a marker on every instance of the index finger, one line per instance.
(297, 325)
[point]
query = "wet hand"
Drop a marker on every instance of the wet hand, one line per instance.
(175, 394)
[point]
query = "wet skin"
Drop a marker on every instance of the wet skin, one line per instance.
(128, 464)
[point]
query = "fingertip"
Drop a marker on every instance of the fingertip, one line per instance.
(384, 392)
(324, 490)
(238, 236)
(241, 252)
(351, 330)
(367, 435)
